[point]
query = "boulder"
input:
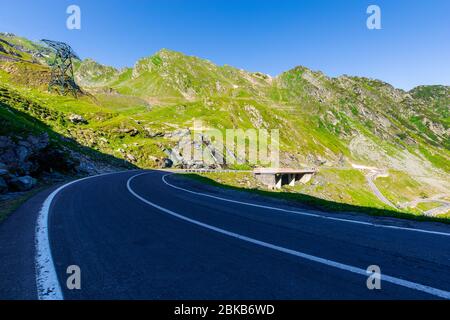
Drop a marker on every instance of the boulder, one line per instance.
(167, 163)
(133, 132)
(25, 168)
(24, 183)
(130, 131)
(131, 158)
(153, 134)
(174, 156)
(23, 152)
(77, 119)
(4, 173)
(88, 167)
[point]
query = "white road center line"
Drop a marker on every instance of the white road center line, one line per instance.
(397, 281)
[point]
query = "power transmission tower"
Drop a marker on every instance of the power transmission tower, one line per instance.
(62, 78)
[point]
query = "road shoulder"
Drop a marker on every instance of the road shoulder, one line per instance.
(17, 249)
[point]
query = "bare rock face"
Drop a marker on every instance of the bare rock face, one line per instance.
(213, 154)
(255, 117)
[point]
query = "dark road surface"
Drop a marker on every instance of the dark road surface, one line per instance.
(126, 237)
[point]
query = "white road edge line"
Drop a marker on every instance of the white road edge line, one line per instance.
(48, 287)
(304, 213)
(404, 283)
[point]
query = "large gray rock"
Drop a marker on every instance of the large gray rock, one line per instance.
(167, 163)
(87, 167)
(23, 152)
(131, 158)
(23, 183)
(174, 156)
(212, 155)
(4, 172)
(3, 186)
(153, 134)
(77, 119)
(130, 131)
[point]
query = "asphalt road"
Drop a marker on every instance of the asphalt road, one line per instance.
(135, 235)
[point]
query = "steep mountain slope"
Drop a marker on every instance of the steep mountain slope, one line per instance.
(331, 123)
(363, 120)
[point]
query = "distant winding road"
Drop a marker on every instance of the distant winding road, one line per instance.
(443, 208)
(150, 235)
(371, 176)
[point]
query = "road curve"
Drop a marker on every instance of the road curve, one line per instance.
(370, 177)
(444, 208)
(136, 237)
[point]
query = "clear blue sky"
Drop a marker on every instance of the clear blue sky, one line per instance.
(412, 48)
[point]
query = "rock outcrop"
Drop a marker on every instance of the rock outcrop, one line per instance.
(22, 160)
(77, 119)
(24, 183)
(197, 152)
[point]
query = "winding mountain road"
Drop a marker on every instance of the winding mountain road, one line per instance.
(371, 177)
(153, 235)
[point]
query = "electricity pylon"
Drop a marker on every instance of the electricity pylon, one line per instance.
(62, 78)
